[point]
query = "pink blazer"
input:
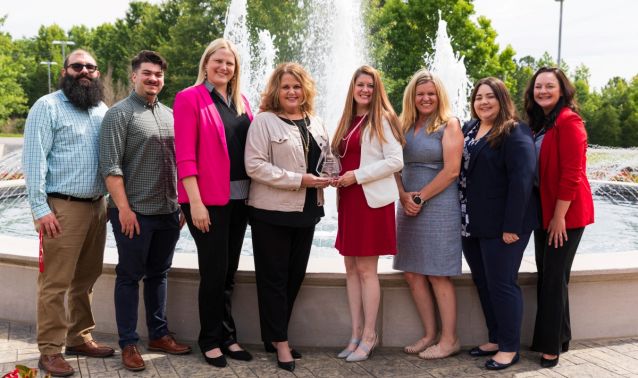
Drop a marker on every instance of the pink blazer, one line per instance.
(200, 145)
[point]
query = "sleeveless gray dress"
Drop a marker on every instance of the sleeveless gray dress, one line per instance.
(430, 243)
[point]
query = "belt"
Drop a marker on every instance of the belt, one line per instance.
(71, 198)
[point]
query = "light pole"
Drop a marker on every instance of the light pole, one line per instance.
(49, 64)
(64, 44)
(560, 29)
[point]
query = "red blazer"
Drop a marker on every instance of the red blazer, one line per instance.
(200, 145)
(563, 171)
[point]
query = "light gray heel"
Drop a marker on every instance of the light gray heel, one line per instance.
(346, 352)
(368, 351)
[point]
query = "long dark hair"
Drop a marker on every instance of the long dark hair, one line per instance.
(506, 119)
(535, 115)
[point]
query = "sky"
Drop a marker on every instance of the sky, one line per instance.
(603, 35)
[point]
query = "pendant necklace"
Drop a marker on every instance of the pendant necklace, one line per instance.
(305, 139)
(347, 137)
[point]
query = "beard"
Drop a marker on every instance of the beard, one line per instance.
(81, 95)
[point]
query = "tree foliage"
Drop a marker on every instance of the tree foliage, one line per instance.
(12, 97)
(400, 34)
(405, 32)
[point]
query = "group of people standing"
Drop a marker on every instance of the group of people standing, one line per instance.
(480, 189)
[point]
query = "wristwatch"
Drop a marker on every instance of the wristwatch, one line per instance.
(417, 199)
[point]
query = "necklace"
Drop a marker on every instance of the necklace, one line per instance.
(305, 139)
(347, 137)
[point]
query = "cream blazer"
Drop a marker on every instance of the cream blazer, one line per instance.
(274, 160)
(379, 162)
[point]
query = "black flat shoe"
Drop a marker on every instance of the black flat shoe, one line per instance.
(493, 365)
(268, 347)
(219, 362)
(549, 363)
(288, 366)
(241, 355)
(478, 352)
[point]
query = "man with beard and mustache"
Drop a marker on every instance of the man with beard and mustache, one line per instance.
(137, 161)
(66, 194)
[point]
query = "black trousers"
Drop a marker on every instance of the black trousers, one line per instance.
(218, 253)
(494, 265)
(281, 257)
(554, 266)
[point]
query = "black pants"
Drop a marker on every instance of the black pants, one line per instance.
(494, 265)
(281, 256)
(554, 266)
(218, 253)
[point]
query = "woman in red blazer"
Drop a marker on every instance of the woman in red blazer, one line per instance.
(566, 203)
(211, 125)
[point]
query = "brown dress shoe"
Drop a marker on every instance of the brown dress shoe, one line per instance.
(90, 349)
(55, 364)
(132, 359)
(167, 344)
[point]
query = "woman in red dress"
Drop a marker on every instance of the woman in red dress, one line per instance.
(369, 142)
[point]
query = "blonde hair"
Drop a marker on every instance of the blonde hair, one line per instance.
(270, 95)
(234, 83)
(410, 114)
(380, 109)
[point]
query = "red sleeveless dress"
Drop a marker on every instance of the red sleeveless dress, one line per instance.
(362, 230)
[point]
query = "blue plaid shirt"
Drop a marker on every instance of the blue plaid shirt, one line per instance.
(60, 153)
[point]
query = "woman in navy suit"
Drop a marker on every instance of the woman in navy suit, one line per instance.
(499, 214)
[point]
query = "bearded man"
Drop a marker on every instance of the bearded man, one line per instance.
(66, 195)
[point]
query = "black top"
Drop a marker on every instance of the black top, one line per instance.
(312, 212)
(236, 129)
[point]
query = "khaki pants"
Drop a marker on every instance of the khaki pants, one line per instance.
(72, 264)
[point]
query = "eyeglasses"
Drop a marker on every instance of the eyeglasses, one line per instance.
(78, 67)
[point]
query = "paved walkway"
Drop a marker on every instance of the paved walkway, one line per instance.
(590, 358)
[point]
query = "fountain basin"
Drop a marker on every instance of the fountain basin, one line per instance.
(602, 298)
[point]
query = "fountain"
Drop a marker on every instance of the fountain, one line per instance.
(449, 67)
(333, 49)
(257, 62)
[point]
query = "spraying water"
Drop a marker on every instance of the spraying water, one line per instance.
(258, 61)
(449, 67)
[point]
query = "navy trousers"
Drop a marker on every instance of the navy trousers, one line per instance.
(494, 265)
(146, 256)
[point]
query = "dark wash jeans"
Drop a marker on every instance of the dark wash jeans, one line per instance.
(146, 256)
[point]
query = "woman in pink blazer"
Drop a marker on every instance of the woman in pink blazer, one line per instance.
(211, 124)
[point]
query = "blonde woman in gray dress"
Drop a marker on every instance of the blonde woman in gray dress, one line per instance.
(429, 214)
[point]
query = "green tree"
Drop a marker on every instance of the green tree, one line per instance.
(198, 22)
(401, 32)
(12, 97)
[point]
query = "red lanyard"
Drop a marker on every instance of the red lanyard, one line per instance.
(41, 254)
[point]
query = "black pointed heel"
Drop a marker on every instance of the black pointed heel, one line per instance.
(288, 366)
(269, 348)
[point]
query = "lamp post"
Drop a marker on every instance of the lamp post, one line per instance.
(560, 29)
(49, 64)
(64, 44)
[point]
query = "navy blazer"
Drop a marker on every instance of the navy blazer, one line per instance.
(499, 184)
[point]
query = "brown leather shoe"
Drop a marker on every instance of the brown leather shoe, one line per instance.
(55, 364)
(132, 359)
(89, 349)
(167, 344)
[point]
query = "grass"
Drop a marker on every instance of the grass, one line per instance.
(11, 135)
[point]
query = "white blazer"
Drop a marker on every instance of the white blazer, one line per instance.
(378, 164)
